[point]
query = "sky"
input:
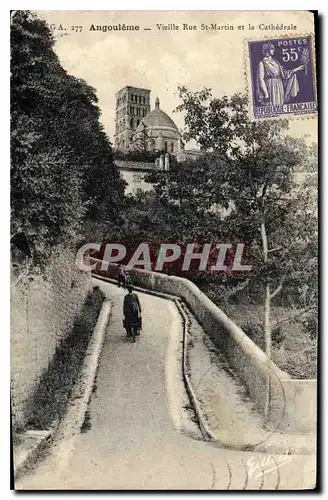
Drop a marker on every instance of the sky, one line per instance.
(160, 60)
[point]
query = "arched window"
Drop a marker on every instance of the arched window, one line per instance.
(131, 123)
(172, 147)
(138, 121)
(165, 146)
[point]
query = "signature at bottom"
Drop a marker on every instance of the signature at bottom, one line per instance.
(266, 464)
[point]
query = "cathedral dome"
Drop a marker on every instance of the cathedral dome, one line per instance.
(157, 119)
(157, 131)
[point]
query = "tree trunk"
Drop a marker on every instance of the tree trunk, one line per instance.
(267, 303)
(267, 322)
(267, 338)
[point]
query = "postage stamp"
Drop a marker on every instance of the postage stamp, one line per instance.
(282, 77)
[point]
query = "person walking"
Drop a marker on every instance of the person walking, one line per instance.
(128, 279)
(121, 277)
(132, 313)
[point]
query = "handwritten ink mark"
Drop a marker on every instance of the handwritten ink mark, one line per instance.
(230, 476)
(214, 476)
(262, 480)
(278, 474)
(246, 475)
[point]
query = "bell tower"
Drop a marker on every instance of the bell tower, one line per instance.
(132, 105)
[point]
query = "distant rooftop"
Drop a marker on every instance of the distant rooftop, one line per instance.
(136, 165)
(131, 87)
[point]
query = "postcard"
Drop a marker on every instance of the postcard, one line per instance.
(164, 250)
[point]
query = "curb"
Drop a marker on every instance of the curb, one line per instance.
(138, 288)
(208, 434)
(79, 399)
(23, 459)
(82, 392)
(206, 431)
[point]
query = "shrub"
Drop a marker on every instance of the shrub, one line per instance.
(310, 325)
(256, 333)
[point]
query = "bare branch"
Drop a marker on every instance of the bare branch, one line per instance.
(277, 290)
(238, 288)
(275, 249)
(293, 316)
(264, 242)
(251, 254)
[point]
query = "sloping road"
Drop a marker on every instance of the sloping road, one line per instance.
(134, 440)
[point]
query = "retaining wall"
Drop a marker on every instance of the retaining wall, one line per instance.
(43, 308)
(292, 402)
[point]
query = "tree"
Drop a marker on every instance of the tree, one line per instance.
(62, 169)
(192, 184)
(256, 163)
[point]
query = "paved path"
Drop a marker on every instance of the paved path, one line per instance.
(134, 441)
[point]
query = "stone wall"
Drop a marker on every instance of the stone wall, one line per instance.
(43, 307)
(253, 368)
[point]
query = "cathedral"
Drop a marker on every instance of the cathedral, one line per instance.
(138, 128)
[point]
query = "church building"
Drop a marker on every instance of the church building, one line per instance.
(139, 129)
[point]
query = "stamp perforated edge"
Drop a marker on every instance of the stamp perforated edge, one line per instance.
(248, 78)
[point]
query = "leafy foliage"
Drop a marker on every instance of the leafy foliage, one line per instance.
(62, 169)
(255, 169)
